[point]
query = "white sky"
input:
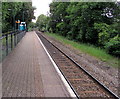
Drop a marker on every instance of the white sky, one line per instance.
(42, 7)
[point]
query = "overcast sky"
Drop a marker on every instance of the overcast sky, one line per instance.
(42, 6)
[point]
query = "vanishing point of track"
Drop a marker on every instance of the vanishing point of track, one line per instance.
(81, 81)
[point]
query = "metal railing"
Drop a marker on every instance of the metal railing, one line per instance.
(8, 41)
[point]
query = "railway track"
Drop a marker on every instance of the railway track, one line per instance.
(84, 85)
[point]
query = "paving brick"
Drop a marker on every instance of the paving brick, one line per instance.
(27, 70)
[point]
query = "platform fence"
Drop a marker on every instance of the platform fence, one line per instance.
(8, 42)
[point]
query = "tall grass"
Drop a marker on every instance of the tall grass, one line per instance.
(88, 49)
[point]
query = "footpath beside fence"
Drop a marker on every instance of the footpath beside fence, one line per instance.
(8, 41)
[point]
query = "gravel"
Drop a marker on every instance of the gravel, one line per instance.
(106, 74)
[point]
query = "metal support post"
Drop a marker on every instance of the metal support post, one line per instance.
(6, 44)
(11, 41)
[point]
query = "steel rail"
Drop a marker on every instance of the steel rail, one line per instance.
(77, 96)
(101, 84)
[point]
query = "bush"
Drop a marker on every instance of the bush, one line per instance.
(113, 46)
(103, 30)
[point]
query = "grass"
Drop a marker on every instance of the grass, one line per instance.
(88, 49)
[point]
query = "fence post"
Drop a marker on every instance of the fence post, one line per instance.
(11, 42)
(6, 44)
(14, 38)
(17, 36)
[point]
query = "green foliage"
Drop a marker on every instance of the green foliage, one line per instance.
(109, 38)
(58, 16)
(31, 26)
(113, 46)
(103, 32)
(42, 22)
(89, 22)
(12, 11)
(115, 27)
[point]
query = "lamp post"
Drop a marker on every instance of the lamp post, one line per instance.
(14, 25)
(17, 22)
(23, 17)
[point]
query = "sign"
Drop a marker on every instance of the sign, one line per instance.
(18, 21)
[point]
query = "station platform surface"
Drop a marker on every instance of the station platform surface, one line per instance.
(28, 72)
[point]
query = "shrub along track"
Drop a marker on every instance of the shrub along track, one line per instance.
(83, 84)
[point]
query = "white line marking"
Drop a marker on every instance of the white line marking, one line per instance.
(72, 94)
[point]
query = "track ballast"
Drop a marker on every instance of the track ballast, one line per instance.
(81, 81)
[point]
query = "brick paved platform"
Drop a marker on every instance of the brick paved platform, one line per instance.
(28, 72)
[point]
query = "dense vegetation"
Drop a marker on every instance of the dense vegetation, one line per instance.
(96, 23)
(43, 22)
(13, 11)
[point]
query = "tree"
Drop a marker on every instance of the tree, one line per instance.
(31, 26)
(42, 22)
(12, 11)
(58, 20)
(88, 22)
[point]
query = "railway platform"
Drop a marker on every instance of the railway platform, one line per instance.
(29, 72)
